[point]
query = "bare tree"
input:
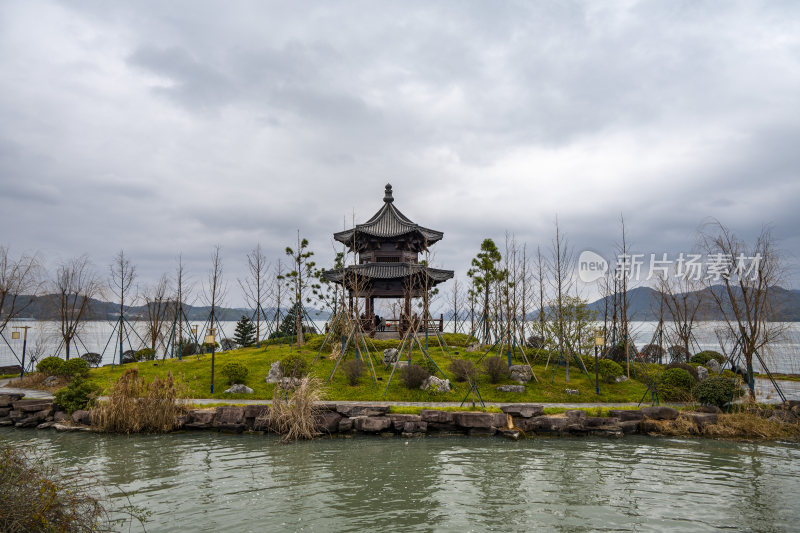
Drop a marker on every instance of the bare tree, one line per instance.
(541, 282)
(256, 287)
(682, 300)
(744, 283)
(624, 271)
(19, 277)
(74, 286)
(214, 294)
(456, 302)
(563, 281)
(123, 274)
(158, 309)
(183, 290)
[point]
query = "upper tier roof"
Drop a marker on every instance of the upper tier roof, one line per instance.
(388, 223)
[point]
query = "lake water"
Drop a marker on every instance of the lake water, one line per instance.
(217, 482)
(783, 356)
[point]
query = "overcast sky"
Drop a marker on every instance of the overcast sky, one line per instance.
(169, 127)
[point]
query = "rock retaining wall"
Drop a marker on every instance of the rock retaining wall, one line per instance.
(515, 421)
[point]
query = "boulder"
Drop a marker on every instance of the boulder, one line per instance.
(229, 418)
(620, 379)
(439, 417)
(523, 410)
(473, 419)
(328, 421)
(714, 368)
(200, 419)
(345, 425)
(574, 392)
(4, 411)
(660, 413)
(513, 434)
(7, 399)
(474, 347)
(521, 373)
(82, 417)
(239, 389)
(30, 406)
(399, 420)
(45, 425)
(701, 419)
(50, 381)
(31, 421)
(353, 410)
(437, 384)
(372, 424)
(128, 356)
(708, 409)
(59, 416)
(546, 424)
(414, 427)
(275, 373)
(389, 356)
(630, 426)
(519, 389)
(575, 415)
(625, 415)
(702, 373)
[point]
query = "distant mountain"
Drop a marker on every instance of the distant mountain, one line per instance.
(45, 308)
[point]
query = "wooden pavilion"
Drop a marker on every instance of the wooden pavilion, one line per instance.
(387, 248)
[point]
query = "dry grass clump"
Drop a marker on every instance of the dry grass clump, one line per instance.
(747, 426)
(135, 405)
(35, 496)
(294, 416)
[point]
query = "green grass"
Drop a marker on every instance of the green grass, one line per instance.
(195, 373)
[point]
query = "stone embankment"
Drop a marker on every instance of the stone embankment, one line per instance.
(515, 421)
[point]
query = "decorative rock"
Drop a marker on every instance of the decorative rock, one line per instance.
(714, 368)
(521, 373)
(50, 381)
(474, 347)
(354, 410)
(229, 418)
(660, 413)
(439, 417)
(239, 389)
(289, 383)
(45, 425)
(58, 416)
(437, 384)
(511, 388)
(275, 373)
(200, 419)
(31, 406)
(31, 421)
(630, 426)
(7, 400)
(389, 356)
(399, 420)
(702, 373)
(620, 379)
(708, 409)
(415, 427)
(572, 391)
(372, 424)
(345, 424)
(524, 410)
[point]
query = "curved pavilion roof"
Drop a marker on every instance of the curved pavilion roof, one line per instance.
(388, 223)
(386, 271)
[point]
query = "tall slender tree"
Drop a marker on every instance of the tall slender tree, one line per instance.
(74, 285)
(256, 287)
(122, 276)
(300, 279)
(215, 291)
(485, 272)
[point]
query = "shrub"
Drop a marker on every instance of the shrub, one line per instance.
(79, 394)
(678, 354)
(235, 372)
(352, 369)
(228, 344)
(74, 368)
(145, 354)
(135, 405)
(717, 391)
(536, 342)
(676, 384)
(689, 368)
(188, 347)
(94, 359)
(608, 370)
(50, 366)
(294, 366)
(496, 368)
(701, 358)
(413, 376)
(653, 353)
(463, 369)
(617, 352)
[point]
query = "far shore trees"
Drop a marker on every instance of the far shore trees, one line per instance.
(75, 285)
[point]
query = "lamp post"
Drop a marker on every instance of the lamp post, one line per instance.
(15, 335)
(599, 340)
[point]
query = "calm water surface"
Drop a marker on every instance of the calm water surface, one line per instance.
(213, 482)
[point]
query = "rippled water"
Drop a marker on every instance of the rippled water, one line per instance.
(215, 482)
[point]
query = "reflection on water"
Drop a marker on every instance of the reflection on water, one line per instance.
(211, 482)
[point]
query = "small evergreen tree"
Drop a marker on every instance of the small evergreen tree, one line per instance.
(245, 334)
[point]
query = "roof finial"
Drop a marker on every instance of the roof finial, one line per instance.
(388, 197)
